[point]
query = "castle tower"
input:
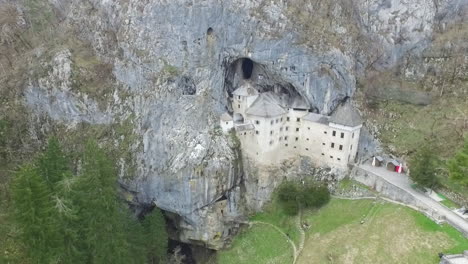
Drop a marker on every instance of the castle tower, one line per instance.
(243, 97)
(345, 128)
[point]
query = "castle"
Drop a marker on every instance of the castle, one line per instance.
(270, 129)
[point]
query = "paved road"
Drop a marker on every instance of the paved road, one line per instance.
(402, 181)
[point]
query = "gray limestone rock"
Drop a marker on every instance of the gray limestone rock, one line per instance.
(171, 62)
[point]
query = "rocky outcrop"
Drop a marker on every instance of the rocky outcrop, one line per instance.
(169, 61)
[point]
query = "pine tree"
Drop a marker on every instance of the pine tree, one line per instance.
(53, 164)
(34, 215)
(66, 218)
(102, 220)
(156, 237)
(458, 166)
(423, 167)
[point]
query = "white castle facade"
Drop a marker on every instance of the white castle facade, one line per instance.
(270, 131)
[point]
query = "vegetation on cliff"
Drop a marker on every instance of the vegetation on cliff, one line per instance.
(458, 166)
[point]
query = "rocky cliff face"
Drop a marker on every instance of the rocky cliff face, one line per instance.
(165, 68)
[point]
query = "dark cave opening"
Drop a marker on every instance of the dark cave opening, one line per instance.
(222, 198)
(265, 80)
(210, 31)
(183, 249)
(247, 68)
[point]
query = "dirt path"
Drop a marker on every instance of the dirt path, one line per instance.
(295, 254)
(302, 234)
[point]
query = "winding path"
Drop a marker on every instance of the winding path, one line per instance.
(280, 231)
(301, 233)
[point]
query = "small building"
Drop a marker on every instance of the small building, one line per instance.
(226, 122)
(454, 259)
(392, 165)
(377, 161)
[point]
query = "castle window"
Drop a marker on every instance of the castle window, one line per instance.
(285, 145)
(257, 122)
(281, 119)
(342, 135)
(245, 133)
(297, 138)
(298, 119)
(334, 133)
(286, 138)
(277, 120)
(308, 128)
(238, 106)
(307, 149)
(239, 97)
(271, 122)
(341, 147)
(287, 128)
(352, 135)
(351, 147)
(297, 129)
(271, 132)
(323, 154)
(323, 143)
(226, 123)
(271, 142)
(324, 132)
(280, 138)
(338, 159)
(332, 145)
(307, 139)
(295, 147)
(256, 132)
(287, 118)
(331, 157)
(281, 129)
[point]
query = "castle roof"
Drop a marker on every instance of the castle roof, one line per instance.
(299, 102)
(317, 118)
(346, 115)
(226, 117)
(245, 90)
(266, 105)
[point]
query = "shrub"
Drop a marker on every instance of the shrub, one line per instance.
(423, 167)
(292, 195)
(315, 196)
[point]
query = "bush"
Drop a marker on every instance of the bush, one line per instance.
(292, 196)
(315, 196)
(423, 167)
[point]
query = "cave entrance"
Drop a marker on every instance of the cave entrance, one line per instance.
(247, 68)
(238, 118)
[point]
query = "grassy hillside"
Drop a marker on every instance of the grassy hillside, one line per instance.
(389, 234)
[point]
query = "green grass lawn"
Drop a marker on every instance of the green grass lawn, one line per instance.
(258, 244)
(447, 202)
(389, 234)
(274, 214)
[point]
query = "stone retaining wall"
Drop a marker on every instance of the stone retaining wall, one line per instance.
(395, 193)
